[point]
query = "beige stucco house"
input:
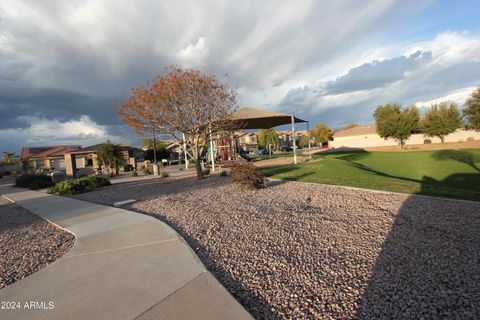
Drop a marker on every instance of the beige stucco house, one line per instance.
(45, 158)
(85, 161)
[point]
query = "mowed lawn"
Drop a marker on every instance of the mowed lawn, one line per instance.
(446, 173)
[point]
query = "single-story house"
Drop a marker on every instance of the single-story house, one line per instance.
(46, 158)
(85, 160)
(367, 136)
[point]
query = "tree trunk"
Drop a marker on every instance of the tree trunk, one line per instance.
(442, 138)
(198, 167)
(401, 144)
(270, 151)
(196, 155)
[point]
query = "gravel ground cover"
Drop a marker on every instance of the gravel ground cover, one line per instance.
(308, 251)
(27, 242)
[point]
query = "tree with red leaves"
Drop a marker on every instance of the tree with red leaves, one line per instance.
(182, 101)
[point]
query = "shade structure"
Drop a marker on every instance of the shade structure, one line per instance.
(250, 118)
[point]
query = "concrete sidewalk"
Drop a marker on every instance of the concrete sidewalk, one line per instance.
(123, 265)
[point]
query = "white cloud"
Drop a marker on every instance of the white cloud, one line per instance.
(458, 96)
(41, 131)
(68, 59)
(445, 68)
(194, 54)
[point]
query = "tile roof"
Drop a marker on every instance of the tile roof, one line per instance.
(46, 151)
(94, 148)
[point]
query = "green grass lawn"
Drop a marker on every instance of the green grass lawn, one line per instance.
(447, 173)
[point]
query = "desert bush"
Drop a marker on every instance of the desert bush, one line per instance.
(248, 176)
(223, 173)
(165, 175)
(470, 139)
(461, 141)
(25, 181)
(206, 172)
(427, 141)
(80, 185)
(146, 171)
(133, 174)
(40, 184)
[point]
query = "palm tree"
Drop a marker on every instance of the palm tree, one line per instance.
(7, 157)
(110, 155)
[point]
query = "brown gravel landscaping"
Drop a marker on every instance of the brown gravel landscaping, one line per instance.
(305, 251)
(27, 242)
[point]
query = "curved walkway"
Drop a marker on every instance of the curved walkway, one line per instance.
(123, 265)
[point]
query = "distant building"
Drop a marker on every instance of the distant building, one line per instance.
(367, 136)
(45, 158)
(285, 137)
(248, 141)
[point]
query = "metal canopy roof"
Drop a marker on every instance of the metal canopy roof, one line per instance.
(250, 118)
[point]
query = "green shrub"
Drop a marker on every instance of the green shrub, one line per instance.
(133, 174)
(80, 185)
(206, 172)
(146, 171)
(165, 175)
(13, 173)
(40, 184)
(223, 173)
(427, 141)
(25, 181)
(248, 176)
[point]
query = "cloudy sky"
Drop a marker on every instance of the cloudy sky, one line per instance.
(63, 64)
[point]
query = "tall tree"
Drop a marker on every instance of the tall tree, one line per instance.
(471, 110)
(268, 138)
(441, 120)
(321, 133)
(138, 111)
(110, 156)
(156, 150)
(303, 142)
(393, 122)
(182, 101)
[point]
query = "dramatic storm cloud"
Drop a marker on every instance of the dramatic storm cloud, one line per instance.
(64, 64)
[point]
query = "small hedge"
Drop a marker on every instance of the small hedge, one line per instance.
(165, 175)
(76, 186)
(40, 184)
(26, 180)
(146, 171)
(248, 176)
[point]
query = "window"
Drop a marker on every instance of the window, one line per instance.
(39, 163)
